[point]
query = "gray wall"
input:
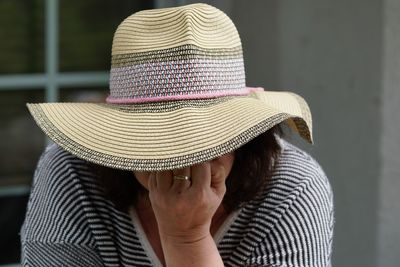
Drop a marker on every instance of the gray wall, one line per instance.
(389, 212)
(330, 53)
(344, 58)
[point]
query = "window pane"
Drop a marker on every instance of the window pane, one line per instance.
(91, 94)
(87, 28)
(21, 35)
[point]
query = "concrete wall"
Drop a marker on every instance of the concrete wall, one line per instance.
(330, 52)
(389, 211)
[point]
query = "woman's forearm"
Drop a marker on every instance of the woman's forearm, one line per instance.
(198, 252)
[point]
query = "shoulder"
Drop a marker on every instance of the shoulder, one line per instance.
(296, 209)
(290, 223)
(295, 171)
(294, 160)
(57, 160)
(59, 199)
(57, 168)
(56, 175)
(298, 182)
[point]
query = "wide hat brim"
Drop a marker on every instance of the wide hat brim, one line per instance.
(168, 135)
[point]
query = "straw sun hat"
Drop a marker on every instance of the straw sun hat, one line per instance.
(177, 96)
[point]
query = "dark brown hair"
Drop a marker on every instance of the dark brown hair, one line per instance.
(252, 167)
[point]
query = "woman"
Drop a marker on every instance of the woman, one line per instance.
(183, 166)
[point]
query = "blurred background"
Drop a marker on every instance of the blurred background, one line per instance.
(342, 56)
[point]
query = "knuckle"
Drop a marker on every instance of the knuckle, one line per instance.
(202, 198)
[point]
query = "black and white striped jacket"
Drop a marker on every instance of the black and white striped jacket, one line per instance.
(69, 222)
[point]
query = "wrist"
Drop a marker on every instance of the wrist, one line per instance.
(184, 238)
(190, 249)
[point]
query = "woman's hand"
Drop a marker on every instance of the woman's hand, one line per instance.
(184, 208)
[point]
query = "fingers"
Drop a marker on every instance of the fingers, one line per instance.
(201, 175)
(164, 180)
(217, 174)
(179, 184)
(152, 182)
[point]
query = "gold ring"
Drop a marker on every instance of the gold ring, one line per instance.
(181, 177)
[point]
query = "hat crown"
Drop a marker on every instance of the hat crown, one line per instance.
(187, 52)
(201, 25)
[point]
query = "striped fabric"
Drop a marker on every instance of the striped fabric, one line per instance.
(70, 223)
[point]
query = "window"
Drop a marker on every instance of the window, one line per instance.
(51, 51)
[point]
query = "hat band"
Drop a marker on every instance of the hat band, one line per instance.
(182, 52)
(178, 79)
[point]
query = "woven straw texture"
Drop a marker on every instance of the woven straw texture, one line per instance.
(178, 96)
(199, 24)
(188, 52)
(159, 137)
